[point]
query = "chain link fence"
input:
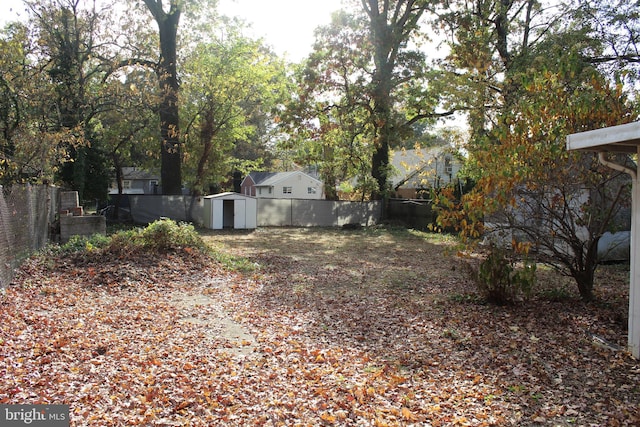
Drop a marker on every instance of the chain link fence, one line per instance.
(27, 215)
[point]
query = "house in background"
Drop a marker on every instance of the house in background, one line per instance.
(136, 181)
(415, 172)
(282, 185)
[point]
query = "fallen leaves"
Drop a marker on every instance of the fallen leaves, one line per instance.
(143, 341)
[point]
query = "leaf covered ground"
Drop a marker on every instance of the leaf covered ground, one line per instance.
(366, 328)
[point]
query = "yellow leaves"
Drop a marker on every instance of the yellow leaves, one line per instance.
(521, 247)
(362, 393)
(328, 418)
(407, 415)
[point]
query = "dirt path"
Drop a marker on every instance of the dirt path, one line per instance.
(201, 311)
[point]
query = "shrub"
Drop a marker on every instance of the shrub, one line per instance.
(84, 243)
(125, 242)
(500, 281)
(165, 234)
(160, 236)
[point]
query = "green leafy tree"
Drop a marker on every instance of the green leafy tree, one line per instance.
(72, 55)
(615, 27)
(125, 129)
(231, 89)
(33, 145)
(166, 68)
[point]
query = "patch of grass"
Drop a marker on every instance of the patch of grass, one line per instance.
(556, 294)
(234, 263)
(466, 298)
(451, 334)
(433, 237)
(372, 369)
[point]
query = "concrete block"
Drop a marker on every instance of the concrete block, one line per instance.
(69, 200)
(81, 226)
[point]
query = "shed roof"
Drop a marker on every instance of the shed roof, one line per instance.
(228, 196)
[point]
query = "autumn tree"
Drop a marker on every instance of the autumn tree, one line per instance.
(533, 83)
(374, 84)
(72, 55)
(327, 122)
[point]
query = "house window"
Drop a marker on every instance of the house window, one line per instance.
(311, 190)
(448, 167)
(126, 184)
(287, 190)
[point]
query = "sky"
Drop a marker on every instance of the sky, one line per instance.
(286, 25)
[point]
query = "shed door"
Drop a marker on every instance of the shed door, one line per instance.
(216, 214)
(239, 214)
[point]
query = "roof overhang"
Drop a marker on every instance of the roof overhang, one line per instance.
(622, 138)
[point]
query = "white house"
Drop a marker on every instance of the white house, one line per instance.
(415, 171)
(282, 185)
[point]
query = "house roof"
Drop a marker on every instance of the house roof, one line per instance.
(409, 163)
(268, 179)
(621, 138)
(131, 173)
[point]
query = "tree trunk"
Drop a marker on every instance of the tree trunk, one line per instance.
(390, 24)
(584, 279)
(585, 273)
(384, 59)
(207, 132)
(171, 158)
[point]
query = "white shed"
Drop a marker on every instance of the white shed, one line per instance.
(230, 210)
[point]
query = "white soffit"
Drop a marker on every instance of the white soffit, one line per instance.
(621, 138)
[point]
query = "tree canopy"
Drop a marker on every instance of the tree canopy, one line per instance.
(366, 83)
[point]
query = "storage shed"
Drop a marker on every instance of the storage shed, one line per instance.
(230, 210)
